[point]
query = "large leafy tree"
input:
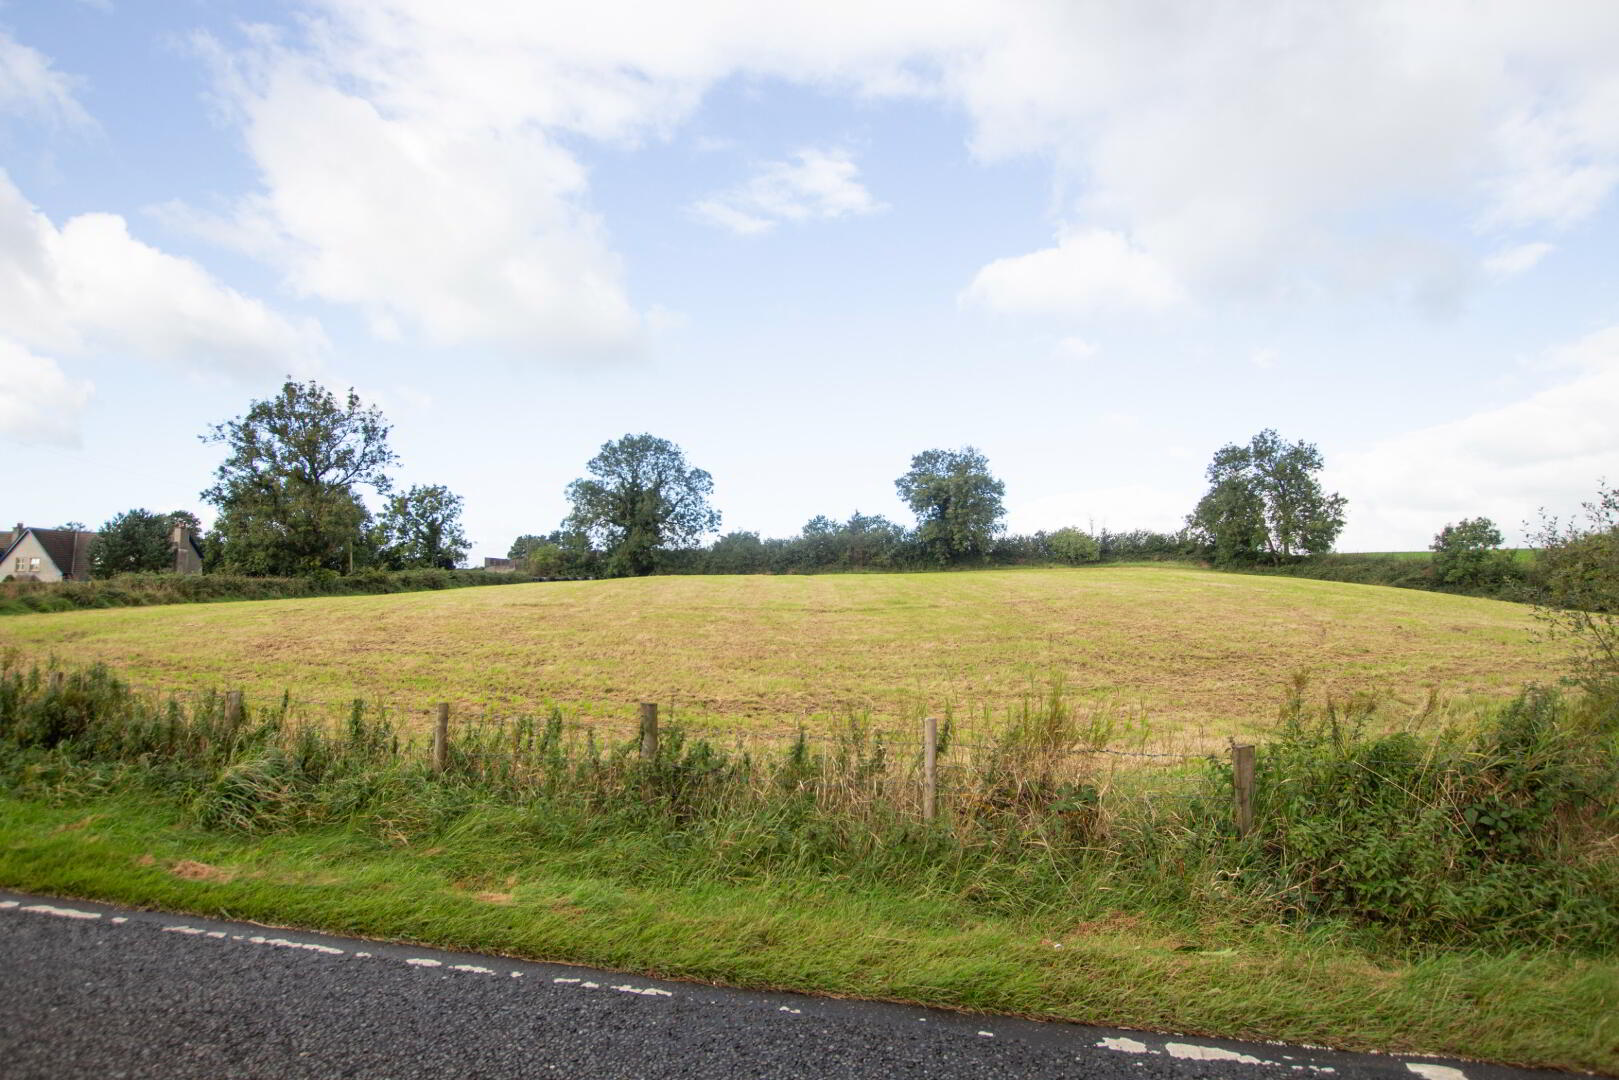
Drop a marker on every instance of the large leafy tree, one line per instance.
(1265, 503)
(641, 497)
(288, 492)
(957, 503)
(1469, 553)
(422, 528)
(136, 541)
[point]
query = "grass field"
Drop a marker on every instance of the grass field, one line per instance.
(1199, 654)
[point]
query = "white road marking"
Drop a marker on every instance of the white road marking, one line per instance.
(649, 991)
(418, 961)
(517, 974)
(118, 920)
(1129, 1046)
(564, 980)
(10, 903)
(474, 968)
(62, 912)
(987, 1034)
(1193, 1052)
(183, 930)
(283, 943)
(795, 1012)
(362, 956)
(1435, 1072)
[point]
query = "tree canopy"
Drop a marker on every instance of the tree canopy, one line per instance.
(641, 497)
(1469, 553)
(287, 493)
(422, 528)
(1265, 503)
(134, 542)
(957, 503)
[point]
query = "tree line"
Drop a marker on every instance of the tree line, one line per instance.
(290, 497)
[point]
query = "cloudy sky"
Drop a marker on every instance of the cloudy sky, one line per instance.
(806, 241)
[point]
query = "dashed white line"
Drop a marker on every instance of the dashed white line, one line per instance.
(1435, 1072)
(62, 912)
(795, 1012)
(1128, 1046)
(473, 968)
(10, 903)
(649, 991)
(421, 961)
(987, 1034)
(1193, 1052)
(283, 943)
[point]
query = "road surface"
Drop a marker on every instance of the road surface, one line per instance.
(92, 990)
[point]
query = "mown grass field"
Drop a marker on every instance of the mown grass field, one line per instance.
(1198, 654)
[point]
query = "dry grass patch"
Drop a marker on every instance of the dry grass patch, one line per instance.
(1193, 652)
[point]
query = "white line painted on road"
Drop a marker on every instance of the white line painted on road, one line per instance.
(118, 920)
(473, 968)
(10, 903)
(62, 912)
(987, 1034)
(1129, 1046)
(564, 980)
(419, 961)
(283, 943)
(651, 991)
(795, 1012)
(1193, 1052)
(183, 930)
(1435, 1072)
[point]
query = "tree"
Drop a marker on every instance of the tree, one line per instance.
(1264, 501)
(1469, 553)
(1575, 588)
(134, 542)
(422, 528)
(641, 498)
(286, 493)
(1074, 547)
(957, 503)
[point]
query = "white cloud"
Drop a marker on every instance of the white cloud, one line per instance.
(816, 184)
(1265, 359)
(417, 159)
(30, 86)
(1511, 261)
(1077, 348)
(1088, 271)
(1549, 449)
(39, 405)
(89, 286)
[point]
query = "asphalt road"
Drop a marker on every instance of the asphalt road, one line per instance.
(91, 990)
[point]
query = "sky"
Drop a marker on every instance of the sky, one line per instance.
(807, 241)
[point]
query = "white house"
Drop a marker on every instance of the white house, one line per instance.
(64, 554)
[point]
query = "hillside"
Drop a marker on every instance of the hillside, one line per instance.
(1191, 649)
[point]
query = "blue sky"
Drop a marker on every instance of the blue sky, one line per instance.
(806, 241)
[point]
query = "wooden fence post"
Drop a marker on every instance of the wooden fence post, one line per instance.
(649, 730)
(441, 738)
(930, 768)
(233, 707)
(56, 682)
(1242, 783)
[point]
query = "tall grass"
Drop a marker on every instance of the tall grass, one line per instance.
(1503, 836)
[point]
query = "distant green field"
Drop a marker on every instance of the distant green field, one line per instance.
(1199, 654)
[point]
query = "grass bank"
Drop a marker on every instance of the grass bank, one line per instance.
(1191, 653)
(146, 590)
(1439, 891)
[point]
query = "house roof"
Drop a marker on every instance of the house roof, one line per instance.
(68, 549)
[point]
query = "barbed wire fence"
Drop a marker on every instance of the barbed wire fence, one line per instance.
(931, 766)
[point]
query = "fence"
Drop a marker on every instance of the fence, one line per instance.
(934, 752)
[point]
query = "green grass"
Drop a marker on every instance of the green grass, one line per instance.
(470, 890)
(1195, 655)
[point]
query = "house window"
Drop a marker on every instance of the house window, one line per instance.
(33, 564)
